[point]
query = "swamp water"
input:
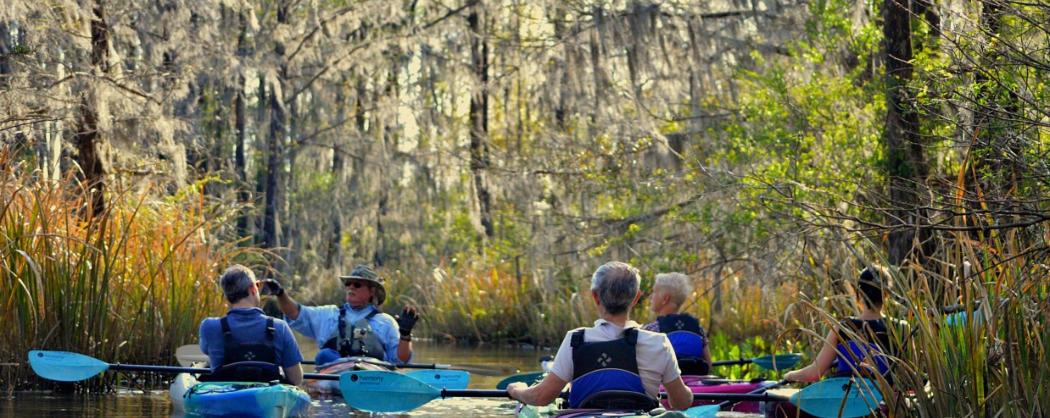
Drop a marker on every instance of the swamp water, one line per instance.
(126, 403)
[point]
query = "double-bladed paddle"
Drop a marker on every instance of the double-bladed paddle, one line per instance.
(382, 391)
(774, 362)
(527, 378)
(65, 366)
(191, 353)
(777, 362)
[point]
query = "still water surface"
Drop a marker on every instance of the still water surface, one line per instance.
(126, 403)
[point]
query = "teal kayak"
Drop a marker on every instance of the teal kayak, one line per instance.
(238, 399)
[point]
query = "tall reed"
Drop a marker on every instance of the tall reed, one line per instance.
(990, 359)
(127, 285)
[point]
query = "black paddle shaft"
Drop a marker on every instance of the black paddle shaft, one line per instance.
(197, 370)
(733, 397)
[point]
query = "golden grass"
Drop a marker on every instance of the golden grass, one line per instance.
(128, 285)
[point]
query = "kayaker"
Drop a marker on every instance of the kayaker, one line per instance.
(859, 343)
(670, 291)
(358, 327)
(615, 358)
(246, 345)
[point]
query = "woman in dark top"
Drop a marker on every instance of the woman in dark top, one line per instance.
(859, 343)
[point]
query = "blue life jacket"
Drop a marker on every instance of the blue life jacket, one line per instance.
(246, 362)
(875, 343)
(360, 341)
(688, 340)
(610, 367)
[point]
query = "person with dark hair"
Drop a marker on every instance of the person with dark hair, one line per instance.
(246, 345)
(859, 345)
(670, 291)
(358, 327)
(614, 364)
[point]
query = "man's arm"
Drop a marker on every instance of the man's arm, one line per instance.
(405, 321)
(294, 374)
(546, 391)
(288, 306)
(678, 394)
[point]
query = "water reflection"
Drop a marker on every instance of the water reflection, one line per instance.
(128, 403)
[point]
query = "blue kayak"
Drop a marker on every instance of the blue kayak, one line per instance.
(238, 399)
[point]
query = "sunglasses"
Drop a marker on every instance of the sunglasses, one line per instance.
(354, 284)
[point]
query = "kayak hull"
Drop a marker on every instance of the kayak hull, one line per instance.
(712, 384)
(343, 365)
(238, 399)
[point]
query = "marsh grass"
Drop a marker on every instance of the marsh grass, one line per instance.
(127, 285)
(990, 359)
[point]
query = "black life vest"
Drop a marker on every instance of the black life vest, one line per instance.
(606, 372)
(360, 341)
(688, 340)
(247, 362)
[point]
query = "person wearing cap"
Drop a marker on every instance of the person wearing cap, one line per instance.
(246, 345)
(358, 327)
(613, 364)
(859, 345)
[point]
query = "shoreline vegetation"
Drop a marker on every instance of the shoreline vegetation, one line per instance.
(485, 156)
(133, 283)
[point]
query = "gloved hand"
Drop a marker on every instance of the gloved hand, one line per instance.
(272, 287)
(407, 320)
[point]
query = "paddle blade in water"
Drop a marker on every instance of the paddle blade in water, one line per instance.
(448, 379)
(778, 362)
(383, 391)
(526, 378)
(703, 411)
(827, 398)
(64, 366)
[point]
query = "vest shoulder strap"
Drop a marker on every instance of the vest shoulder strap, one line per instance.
(631, 335)
(577, 339)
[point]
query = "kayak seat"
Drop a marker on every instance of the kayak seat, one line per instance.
(619, 399)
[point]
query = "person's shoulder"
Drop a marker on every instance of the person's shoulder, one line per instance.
(384, 317)
(650, 335)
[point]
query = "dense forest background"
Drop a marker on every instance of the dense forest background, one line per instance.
(504, 149)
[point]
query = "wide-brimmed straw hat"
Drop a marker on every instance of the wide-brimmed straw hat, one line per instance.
(363, 272)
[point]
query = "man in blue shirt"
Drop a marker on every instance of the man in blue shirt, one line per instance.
(358, 328)
(246, 345)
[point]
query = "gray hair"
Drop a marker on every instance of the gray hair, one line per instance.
(616, 284)
(236, 281)
(676, 285)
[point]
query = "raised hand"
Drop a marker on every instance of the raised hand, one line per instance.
(272, 287)
(407, 320)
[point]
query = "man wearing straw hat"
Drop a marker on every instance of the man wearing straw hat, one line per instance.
(358, 327)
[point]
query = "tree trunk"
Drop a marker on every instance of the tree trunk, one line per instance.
(89, 142)
(905, 156)
(239, 161)
(271, 228)
(479, 102)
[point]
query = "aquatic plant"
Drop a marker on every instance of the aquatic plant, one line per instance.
(126, 285)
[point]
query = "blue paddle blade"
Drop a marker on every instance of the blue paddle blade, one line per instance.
(64, 366)
(384, 391)
(703, 411)
(448, 379)
(526, 378)
(778, 362)
(844, 397)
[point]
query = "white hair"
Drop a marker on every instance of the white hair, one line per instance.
(675, 285)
